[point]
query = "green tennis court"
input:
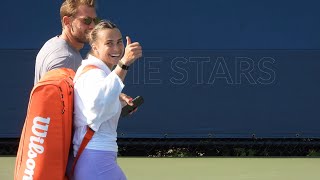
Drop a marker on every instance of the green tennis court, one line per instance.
(206, 168)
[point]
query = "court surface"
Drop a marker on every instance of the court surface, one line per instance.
(206, 168)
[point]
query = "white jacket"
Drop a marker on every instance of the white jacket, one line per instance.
(97, 104)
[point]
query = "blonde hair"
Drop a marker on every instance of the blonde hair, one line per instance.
(69, 7)
(103, 24)
(93, 35)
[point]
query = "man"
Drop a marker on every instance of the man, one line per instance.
(78, 18)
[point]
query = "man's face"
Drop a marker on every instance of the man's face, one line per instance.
(82, 23)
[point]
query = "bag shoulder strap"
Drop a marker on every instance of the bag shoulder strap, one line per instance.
(89, 133)
(87, 137)
(87, 68)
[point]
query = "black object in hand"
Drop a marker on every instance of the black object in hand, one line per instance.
(128, 109)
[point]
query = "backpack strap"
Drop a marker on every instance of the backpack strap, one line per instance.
(87, 137)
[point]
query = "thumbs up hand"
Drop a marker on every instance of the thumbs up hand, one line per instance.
(133, 51)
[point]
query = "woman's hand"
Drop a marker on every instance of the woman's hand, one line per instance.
(125, 99)
(132, 52)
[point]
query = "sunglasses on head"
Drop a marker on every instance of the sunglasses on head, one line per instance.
(88, 20)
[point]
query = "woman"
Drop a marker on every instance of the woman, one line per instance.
(97, 103)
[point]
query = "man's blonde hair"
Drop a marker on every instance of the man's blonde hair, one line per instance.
(69, 7)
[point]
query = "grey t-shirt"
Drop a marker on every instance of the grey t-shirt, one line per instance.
(56, 53)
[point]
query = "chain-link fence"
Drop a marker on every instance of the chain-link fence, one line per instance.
(218, 147)
(9, 146)
(163, 147)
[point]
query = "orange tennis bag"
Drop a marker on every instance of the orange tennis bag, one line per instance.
(47, 132)
(46, 135)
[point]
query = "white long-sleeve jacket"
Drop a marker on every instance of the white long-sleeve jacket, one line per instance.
(97, 104)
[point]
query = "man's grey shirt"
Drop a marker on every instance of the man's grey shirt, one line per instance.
(56, 53)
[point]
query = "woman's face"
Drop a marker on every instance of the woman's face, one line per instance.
(109, 46)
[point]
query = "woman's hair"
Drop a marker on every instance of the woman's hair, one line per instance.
(103, 24)
(69, 7)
